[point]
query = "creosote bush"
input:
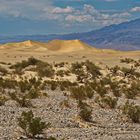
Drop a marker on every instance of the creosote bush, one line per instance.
(108, 102)
(31, 125)
(82, 92)
(21, 100)
(25, 63)
(93, 69)
(132, 111)
(85, 111)
(3, 71)
(44, 69)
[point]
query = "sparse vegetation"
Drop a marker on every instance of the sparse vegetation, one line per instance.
(80, 86)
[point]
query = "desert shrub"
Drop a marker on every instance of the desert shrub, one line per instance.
(32, 94)
(132, 111)
(44, 69)
(81, 76)
(76, 67)
(60, 73)
(65, 103)
(89, 92)
(2, 100)
(106, 80)
(111, 102)
(24, 85)
(60, 65)
(127, 60)
(25, 63)
(114, 70)
(83, 69)
(8, 83)
(24, 102)
(130, 93)
(78, 93)
(108, 102)
(35, 82)
(66, 85)
(130, 72)
(82, 104)
(32, 61)
(21, 100)
(116, 89)
(51, 138)
(31, 125)
(133, 91)
(53, 84)
(85, 111)
(101, 90)
(85, 114)
(63, 85)
(3, 71)
(82, 92)
(93, 69)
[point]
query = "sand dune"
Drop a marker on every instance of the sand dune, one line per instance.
(58, 46)
(55, 45)
(68, 45)
(25, 46)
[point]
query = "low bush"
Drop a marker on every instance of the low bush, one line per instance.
(3, 71)
(44, 69)
(31, 125)
(21, 100)
(108, 102)
(132, 111)
(93, 69)
(85, 111)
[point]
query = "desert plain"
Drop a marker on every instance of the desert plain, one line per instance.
(84, 93)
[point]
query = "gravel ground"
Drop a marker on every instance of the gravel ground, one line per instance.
(65, 123)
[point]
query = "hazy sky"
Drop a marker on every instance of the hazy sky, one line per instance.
(63, 16)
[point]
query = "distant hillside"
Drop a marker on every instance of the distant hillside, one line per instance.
(124, 36)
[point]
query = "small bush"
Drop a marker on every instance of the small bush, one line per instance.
(133, 91)
(21, 100)
(32, 94)
(3, 71)
(8, 83)
(44, 69)
(132, 111)
(85, 112)
(31, 125)
(78, 93)
(76, 67)
(108, 102)
(51, 138)
(93, 69)
(25, 63)
(2, 100)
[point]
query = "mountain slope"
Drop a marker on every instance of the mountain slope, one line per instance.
(125, 36)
